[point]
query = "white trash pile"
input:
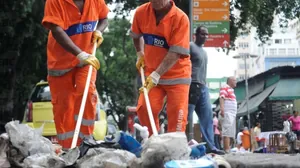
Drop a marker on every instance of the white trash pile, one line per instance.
(23, 146)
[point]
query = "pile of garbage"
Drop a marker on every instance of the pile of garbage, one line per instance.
(23, 146)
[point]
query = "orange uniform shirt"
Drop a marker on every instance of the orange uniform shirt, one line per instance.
(78, 26)
(171, 34)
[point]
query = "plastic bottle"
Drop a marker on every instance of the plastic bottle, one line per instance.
(265, 148)
(128, 143)
(198, 151)
(143, 131)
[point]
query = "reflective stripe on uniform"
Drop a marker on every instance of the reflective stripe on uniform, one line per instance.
(85, 122)
(65, 136)
(70, 134)
(134, 35)
(52, 72)
(175, 81)
(179, 50)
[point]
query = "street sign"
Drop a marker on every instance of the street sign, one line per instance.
(211, 3)
(213, 14)
(209, 14)
(217, 40)
(214, 27)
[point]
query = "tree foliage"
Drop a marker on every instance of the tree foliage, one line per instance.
(117, 78)
(23, 47)
(260, 14)
(22, 52)
(244, 14)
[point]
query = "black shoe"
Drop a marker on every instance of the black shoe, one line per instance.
(217, 151)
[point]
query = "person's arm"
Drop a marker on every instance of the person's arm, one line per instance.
(290, 120)
(139, 44)
(54, 21)
(136, 32)
(170, 59)
(222, 106)
(102, 25)
(215, 127)
(179, 45)
(63, 39)
(223, 94)
(138, 40)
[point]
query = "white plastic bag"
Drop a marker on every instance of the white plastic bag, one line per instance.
(160, 149)
(4, 147)
(28, 140)
(44, 160)
(106, 158)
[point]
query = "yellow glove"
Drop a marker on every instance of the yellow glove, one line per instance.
(97, 37)
(140, 63)
(150, 82)
(86, 58)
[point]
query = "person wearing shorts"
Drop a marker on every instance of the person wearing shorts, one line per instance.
(228, 110)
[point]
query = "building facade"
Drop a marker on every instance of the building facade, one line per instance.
(247, 44)
(296, 26)
(283, 47)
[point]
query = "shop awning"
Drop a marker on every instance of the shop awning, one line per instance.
(287, 89)
(255, 101)
(254, 87)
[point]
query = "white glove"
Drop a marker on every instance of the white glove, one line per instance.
(82, 56)
(150, 82)
(155, 77)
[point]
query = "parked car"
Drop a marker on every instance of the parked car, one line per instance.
(38, 111)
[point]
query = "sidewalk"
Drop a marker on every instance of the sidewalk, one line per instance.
(258, 160)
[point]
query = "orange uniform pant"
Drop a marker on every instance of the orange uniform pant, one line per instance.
(67, 92)
(177, 106)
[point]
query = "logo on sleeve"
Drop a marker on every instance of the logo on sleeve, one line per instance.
(87, 27)
(81, 28)
(157, 41)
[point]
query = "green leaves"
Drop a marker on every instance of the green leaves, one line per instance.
(21, 29)
(260, 14)
(116, 80)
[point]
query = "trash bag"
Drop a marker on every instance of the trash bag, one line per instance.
(71, 156)
(291, 137)
(44, 160)
(107, 158)
(221, 161)
(158, 150)
(49, 160)
(91, 143)
(93, 152)
(15, 157)
(28, 140)
(4, 147)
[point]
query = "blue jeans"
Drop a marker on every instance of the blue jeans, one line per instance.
(200, 102)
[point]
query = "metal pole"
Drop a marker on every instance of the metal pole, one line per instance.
(190, 122)
(247, 94)
(191, 19)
